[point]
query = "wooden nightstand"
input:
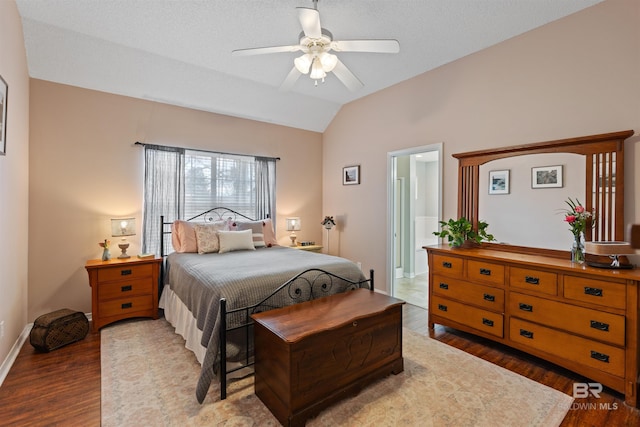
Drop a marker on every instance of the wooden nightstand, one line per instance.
(123, 288)
(310, 248)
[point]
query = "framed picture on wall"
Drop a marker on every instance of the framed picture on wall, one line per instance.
(4, 88)
(546, 177)
(351, 175)
(499, 182)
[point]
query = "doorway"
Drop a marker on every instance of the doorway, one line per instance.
(414, 207)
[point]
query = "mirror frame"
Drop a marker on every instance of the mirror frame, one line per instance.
(598, 151)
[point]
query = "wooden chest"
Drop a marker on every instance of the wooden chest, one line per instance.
(310, 355)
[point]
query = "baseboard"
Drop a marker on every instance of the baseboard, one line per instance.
(13, 353)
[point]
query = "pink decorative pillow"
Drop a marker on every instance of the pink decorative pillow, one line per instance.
(183, 237)
(268, 233)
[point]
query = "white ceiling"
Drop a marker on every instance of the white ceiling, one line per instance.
(179, 51)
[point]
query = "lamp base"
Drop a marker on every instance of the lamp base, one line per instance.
(123, 247)
(293, 237)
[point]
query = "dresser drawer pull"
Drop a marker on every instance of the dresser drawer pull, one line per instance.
(600, 326)
(485, 272)
(127, 305)
(532, 280)
(596, 292)
(125, 272)
(355, 323)
(442, 307)
(446, 264)
(489, 297)
(526, 334)
(444, 286)
(487, 322)
(126, 288)
(525, 307)
(600, 356)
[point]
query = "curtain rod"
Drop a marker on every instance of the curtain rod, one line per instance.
(209, 151)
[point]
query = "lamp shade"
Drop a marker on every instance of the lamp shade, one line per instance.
(293, 224)
(123, 227)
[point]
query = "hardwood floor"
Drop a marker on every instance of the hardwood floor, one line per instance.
(63, 387)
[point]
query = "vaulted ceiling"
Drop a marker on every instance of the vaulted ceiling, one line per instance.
(179, 51)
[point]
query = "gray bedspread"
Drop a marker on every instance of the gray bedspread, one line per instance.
(243, 278)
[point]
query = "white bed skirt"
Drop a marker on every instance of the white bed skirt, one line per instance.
(183, 321)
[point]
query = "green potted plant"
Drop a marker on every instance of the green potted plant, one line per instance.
(460, 232)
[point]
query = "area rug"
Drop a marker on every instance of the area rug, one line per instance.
(149, 379)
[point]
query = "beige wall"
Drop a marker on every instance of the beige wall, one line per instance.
(14, 180)
(86, 170)
(573, 77)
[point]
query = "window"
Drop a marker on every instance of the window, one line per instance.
(181, 184)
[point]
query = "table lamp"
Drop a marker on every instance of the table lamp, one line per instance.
(293, 225)
(121, 228)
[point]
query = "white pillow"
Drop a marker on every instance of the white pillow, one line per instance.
(236, 241)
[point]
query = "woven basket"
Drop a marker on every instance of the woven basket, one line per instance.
(58, 328)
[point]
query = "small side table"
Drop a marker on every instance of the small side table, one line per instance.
(122, 289)
(310, 248)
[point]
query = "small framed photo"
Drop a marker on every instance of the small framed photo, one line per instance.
(546, 177)
(4, 88)
(499, 182)
(351, 175)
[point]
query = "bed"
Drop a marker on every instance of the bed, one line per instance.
(209, 297)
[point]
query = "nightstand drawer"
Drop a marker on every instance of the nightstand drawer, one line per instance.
(124, 289)
(608, 294)
(479, 295)
(126, 305)
(124, 272)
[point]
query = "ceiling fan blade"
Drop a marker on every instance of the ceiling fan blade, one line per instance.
(310, 22)
(291, 80)
(263, 50)
(347, 77)
(376, 46)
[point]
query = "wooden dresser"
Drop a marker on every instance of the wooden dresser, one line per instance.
(123, 288)
(579, 317)
(312, 354)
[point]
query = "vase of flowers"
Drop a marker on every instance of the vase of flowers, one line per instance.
(577, 217)
(106, 255)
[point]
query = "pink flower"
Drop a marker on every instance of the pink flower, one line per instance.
(579, 209)
(570, 219)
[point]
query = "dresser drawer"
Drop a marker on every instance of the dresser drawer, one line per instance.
(485, 272)
(534, 280)
(479, 295)
(126, 305)
(124, 272)
(587, 352)
(583, 321)
(608, 294)
(450, 266)
(477, 318)
(124, 289)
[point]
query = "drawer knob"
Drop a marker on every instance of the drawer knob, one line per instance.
(127, 305)
(487, 322)
(489, 297)
(525, 307)
(596, 292)
(485, 272)
(600, 325)
(532, 280)
(126, 288)
(355, 323)
(444, 286)
(446, 264)
(442, 307)
(125, 272)
(601, 357)
(526, 334)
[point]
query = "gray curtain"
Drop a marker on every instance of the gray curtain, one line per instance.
(265, 188)
(163, 193)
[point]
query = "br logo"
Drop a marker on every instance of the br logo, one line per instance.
(582, 390)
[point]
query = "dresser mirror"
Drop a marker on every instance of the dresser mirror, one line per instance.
(526, 216)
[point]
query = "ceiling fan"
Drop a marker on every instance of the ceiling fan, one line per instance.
(316, 43)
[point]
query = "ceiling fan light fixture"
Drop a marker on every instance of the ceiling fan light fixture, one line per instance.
(328, 61)
(316, 70)
(303, 63)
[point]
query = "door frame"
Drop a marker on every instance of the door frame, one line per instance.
(391, 179)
